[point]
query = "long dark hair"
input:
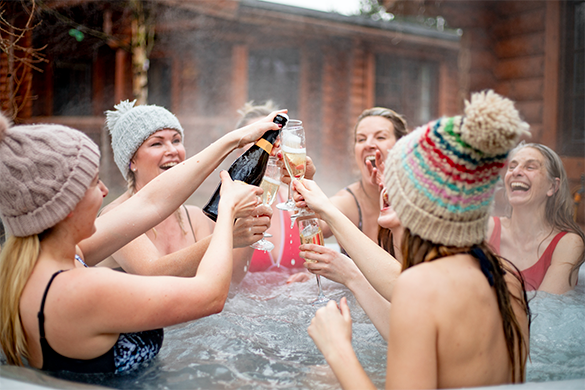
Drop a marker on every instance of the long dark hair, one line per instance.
(386, 240)
(416, 250)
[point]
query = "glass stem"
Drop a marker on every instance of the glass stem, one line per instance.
(319, 285)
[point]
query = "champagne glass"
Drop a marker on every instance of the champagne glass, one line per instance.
(292, 144)
(311, 233)
(270, 184)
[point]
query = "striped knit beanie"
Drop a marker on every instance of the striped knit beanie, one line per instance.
(131, 125)
(441, 177)
(45, 170)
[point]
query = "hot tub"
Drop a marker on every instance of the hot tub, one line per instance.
(260, 341)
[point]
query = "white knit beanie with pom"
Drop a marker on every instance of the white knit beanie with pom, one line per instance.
(441, 177)
(45, 170)
(131, 125)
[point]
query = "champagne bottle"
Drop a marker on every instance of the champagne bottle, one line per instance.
(250, 166)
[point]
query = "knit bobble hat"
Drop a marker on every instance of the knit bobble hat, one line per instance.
(45, 171)
(441, 177)
(131, 125)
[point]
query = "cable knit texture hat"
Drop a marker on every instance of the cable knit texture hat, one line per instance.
(45, 170)
(131, 125)
(441, 177)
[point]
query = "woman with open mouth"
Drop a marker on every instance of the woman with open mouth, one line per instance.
(376, 131)
(147, 140)
(540, 235)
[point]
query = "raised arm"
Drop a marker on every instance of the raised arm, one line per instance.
(164, 194)
(128, 303)
(341, 269)
(377, 265)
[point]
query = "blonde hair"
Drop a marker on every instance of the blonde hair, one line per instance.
(250, 111)
(17, 260)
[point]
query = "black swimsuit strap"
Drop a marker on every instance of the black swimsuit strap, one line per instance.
(358, 206)
(41, 314)
(486, 266)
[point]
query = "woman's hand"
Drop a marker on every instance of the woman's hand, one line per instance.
(308, 194)
(250, 229)
(329, 263)
(240, 197)
(252, 132)
(376, 177)
(330, 329)
(310, 169)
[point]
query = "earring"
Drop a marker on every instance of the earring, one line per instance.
(134, 170)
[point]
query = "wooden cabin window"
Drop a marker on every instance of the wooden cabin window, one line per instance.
(572, 134)
(408, 87)
(72, 88)
(273, 74)
(159, 83)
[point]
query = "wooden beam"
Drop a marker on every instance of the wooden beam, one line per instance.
(119, 80)
(239, 88)
(550, 118)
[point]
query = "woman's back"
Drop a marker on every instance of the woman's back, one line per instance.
(449, 303)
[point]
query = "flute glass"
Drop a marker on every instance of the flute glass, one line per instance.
(311, 233)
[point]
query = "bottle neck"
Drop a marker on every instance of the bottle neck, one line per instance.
(267, 140)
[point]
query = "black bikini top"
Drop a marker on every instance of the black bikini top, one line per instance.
(131, 350)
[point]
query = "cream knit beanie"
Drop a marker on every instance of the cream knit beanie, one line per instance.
(131, 125)
(441, 177)
(45, 170)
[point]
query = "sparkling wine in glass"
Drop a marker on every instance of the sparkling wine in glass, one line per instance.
(270, 184)
(311, 233)
(292, 144)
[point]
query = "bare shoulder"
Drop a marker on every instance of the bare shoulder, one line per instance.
(199, 220)
(569, 249)
(418, 282)
(344, 201)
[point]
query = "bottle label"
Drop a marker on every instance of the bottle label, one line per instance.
(267, 146)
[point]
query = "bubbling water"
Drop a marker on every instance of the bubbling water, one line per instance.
(557, 338)
(259, 341)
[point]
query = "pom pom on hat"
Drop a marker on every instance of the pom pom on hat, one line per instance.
(441, 177)
(112, 117)
(131, 125)
(492, 124)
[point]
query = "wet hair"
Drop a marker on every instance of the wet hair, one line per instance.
(385, 240)
(250, 111)
(17, 260)
(416, 250)
(559, 209)
(399, 122)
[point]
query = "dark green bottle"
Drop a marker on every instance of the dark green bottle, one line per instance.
(250, 166)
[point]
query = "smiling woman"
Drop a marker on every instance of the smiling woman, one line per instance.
(376, 131)
(147, 141)
(540, 236)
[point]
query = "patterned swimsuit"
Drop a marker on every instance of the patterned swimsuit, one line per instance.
(129, 352)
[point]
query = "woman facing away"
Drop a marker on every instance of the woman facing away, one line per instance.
(540, 235)
(61, 316)
(458, 314)
(147, 140)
